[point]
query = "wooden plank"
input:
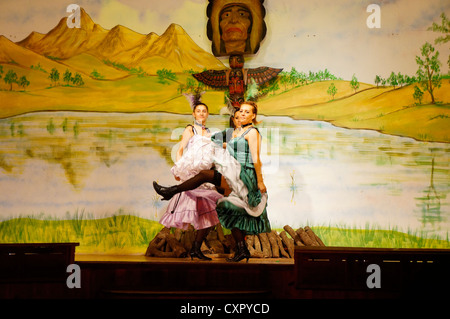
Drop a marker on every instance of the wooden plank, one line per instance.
(25, 262)
(405, 271)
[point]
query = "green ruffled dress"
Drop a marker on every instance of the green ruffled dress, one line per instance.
(231, 216)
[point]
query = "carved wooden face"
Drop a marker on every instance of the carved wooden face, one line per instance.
(235, 26)
(236, 61)
(235, 23)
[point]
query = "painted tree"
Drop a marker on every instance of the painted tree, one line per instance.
(77, 80)
(418, 94)
(444, 28)
(164, 75)
(23, 82)
(10, 78)
(327, 75)
(393, 80)
(354, 83)
(274, 87)
(332, 90)
(401, 79)
(54, 76)
(96, 75)
(283, 77)
(302, 78)
(67, 76)
(429, 68)
(377, 80)
(294, 77)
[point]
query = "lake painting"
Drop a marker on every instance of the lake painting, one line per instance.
(56, 165)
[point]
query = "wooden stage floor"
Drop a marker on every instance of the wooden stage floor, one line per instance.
(138, 276)
(216, 259)
(39, 271)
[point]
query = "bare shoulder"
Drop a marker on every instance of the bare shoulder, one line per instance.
(252, 135)
(188, 130)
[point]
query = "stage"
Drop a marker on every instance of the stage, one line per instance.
(39, 271)
(155, 277)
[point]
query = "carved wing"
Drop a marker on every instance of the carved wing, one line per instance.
(262, 74)
(213, 78)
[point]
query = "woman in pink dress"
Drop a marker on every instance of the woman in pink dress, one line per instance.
(195, 207)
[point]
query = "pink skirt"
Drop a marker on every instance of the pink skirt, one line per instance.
(195, 207)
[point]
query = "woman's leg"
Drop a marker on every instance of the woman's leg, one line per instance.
(197, 244)
(204, 176)
(241, 247)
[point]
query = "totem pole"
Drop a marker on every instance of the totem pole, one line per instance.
(236, 28)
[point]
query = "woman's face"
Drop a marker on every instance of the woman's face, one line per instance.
(200, 113)
(236, 121)
(246, 114)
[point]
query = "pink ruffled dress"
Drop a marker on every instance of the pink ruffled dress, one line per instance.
(195, 207)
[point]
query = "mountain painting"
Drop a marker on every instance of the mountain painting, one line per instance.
(355, 128)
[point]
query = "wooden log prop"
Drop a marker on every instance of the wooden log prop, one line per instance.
(220, 234)
(250, 242)
(308, 241)
(265, 245)
(176, 248)
(156, 246)
(215, 246)
(272, 236)
(281, 247)
(257, 243)
(288, 242)
(178, 233)
(188, 238)
(294, 235)
(311, 234)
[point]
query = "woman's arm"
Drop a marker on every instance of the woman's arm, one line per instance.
(187, 134)
(254, 142)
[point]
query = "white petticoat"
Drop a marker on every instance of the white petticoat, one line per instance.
(201, 153)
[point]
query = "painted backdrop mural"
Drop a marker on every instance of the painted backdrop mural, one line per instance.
(355, 127)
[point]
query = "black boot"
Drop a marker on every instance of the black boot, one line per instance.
(197, 252)
(241, 253)
(166, 192)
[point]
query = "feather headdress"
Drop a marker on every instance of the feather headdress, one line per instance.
(230, 107)
(252, 93)
(194, 99)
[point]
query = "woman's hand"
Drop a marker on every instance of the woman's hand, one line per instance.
(262, 188)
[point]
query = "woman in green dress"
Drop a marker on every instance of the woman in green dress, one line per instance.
(243, 210)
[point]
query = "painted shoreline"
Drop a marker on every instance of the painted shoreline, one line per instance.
(407, 133)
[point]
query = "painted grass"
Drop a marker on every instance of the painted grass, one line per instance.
(118, 234)
(123, 234)
(378, 238)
